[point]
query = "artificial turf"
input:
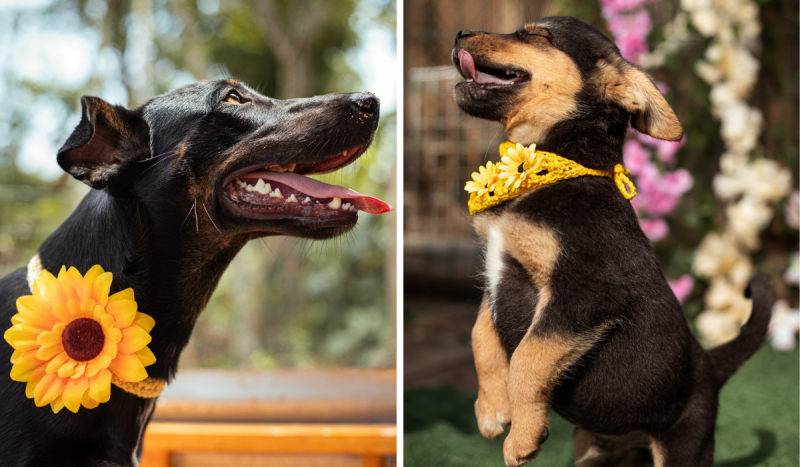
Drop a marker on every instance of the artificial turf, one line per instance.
(757, 424)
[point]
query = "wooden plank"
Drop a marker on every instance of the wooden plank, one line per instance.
(154, 458)
(372, 461)
(281, 396)
(369, 440)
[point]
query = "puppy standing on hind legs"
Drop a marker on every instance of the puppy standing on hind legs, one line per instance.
(577, 315)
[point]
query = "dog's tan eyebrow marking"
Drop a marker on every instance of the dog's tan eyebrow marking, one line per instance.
(532, 28)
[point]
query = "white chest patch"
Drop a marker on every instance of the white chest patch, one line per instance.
(494, 259)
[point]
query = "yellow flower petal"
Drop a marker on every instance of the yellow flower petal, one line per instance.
(56, 362)
(100, 386)
(128, 368)
(47, 352)
(146, 356)
(87, 308)
(104, 361)
(53, 337)
(101, 287)
(91, 275)
(15, 355)
(113, 334)
(57, 405)
(24, 366)
(92, 367)
(126, 294)
(134, 339)
(82, 291)
(110, 348)
(62, 311)
(79, 370)
(144, 321)
(36, 312)
(88, 402)
(50, 288)
(66, 368)
(107, 321)
(73, 393)
(48, 389)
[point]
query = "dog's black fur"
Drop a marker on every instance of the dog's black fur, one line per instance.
(148, 167)
(646, 373)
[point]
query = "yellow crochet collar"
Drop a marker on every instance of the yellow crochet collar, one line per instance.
(522, 169)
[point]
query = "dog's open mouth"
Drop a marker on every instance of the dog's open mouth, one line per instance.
(488, 76)
(283, 191)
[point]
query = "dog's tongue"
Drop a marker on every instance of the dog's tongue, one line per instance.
(322, 190)
(467, 64)
(468, 69)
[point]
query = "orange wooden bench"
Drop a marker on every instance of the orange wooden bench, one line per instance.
(342, 417)
(371, 442)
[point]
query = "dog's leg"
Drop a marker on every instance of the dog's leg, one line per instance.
(688, 442)
(535, 368)
(590, 451)
(492, 408)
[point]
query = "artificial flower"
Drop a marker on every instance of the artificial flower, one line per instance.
(517, 163)
(682, 287)
(783, 326)
(484, 180)
(70, 338)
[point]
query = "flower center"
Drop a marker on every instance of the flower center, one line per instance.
(521, 168)
(83, 339)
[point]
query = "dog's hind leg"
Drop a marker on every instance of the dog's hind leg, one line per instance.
(688, 442)
(492, 408)
(591, 451)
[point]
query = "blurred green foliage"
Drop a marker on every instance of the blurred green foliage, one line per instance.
(283, 302)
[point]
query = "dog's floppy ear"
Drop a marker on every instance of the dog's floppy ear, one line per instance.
(92, 152)
(634, 91)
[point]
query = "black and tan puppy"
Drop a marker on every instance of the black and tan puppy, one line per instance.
(577, 314)
(180, 184)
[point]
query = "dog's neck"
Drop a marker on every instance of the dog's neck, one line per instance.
(594, 138)
(172, 270)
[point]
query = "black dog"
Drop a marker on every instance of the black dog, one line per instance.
(577, 314)
(205, 149)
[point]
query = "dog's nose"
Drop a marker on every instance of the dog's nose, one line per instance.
(464, 33)
(365, 102)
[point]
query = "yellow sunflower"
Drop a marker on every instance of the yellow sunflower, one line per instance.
(484, 180)
(70, 338)
(517, 163)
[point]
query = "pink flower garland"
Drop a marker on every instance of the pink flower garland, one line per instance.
(658, 192)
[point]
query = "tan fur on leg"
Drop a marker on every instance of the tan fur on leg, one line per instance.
(534, 371)
(491, 362)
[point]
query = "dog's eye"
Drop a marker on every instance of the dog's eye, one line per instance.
(233, 98)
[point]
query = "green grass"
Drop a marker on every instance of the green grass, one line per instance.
(757, 425)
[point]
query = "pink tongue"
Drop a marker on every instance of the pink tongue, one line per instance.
(320, 190)
(468, 68)
(467, 64)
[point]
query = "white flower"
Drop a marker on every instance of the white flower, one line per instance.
(716, 327)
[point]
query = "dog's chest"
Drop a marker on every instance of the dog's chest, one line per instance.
(519, 259)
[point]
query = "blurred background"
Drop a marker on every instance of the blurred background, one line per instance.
(312, 307)
(300, 304)
(718, 206)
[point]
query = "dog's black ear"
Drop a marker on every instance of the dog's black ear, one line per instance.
(634, 91)
(92, 152)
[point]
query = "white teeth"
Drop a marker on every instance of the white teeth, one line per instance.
(262, 187)
(250, 187)
(335, 204)
(353, 208)
(276, 193)
(345, 206)
(307, 200)
(291, 199)
(241, 183)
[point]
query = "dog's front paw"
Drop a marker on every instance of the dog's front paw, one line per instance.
(523, 444)
(493, 414)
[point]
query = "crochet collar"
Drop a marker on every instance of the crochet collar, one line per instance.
(523, 169)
